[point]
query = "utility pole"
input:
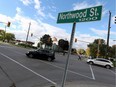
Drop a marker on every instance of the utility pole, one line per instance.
(108, 35)
(98, 51)
(6, 25)
(115, 48)
(27, 34)
(4, 34)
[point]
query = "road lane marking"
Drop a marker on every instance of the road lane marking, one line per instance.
(62, 68)
(68, 70)
(92, 72)
(5, 47)
(16, 52)
(28, 69)
(113, 72)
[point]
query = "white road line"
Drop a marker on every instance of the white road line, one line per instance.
(68, 70)
(62, 68)
(28, 69)
(92, 72)
(5, 47)
(113, 72)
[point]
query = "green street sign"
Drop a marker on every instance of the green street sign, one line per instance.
(83, 15)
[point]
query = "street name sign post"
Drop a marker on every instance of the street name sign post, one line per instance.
(83, 15)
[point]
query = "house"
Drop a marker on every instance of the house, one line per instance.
(23, 42)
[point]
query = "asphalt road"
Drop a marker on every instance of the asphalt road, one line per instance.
(28, 72)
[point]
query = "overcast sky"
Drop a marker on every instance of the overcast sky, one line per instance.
(43, 17)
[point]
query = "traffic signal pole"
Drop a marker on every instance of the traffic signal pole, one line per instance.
(7, 25)
(108, 35)
(4, 34)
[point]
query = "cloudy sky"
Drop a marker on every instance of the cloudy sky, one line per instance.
(43, 17)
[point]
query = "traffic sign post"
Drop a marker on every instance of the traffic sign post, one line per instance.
(83, 15)
(69, 51)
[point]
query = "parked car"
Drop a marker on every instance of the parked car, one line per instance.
(44, 54)
(101, 61)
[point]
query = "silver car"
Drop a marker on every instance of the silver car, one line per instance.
(102, 62)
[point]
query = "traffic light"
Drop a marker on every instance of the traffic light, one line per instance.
(8, 24)
(31, 34)
(75, 39)
(115, 20)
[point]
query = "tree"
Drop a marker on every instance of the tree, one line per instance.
(74, 51)
(9, 37)
(88, 52)
(112, 51)
(94, 48)
(81, 51)
(47, 40)
(39, 44)
(2, 32)
(64, 44)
